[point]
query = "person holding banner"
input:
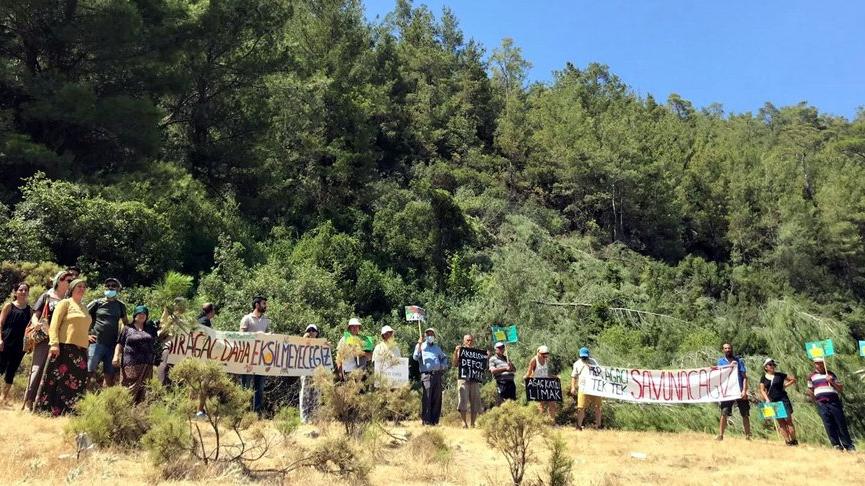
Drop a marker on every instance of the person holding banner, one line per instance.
(255, 321)
(539, 367)
(469, 387)
(433, 363)
(825, 389)
(503, 372)
(729, 359)
(773, 389)
(308, 393)
(579, 373)
(350, 355)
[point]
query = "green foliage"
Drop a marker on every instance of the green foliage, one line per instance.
(339, 456)
(430, 447)
(560, 465)
(511, 429)
(109, 418)
(287, 420)
(168, 437)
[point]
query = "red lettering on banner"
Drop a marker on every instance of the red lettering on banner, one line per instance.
(635, 375)
(690, 386)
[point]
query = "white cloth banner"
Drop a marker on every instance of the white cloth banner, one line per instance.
(700, 385)
(252, 353)
(393, 373)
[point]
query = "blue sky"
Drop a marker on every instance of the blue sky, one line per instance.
(737, 53)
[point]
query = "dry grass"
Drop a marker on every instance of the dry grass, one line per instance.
(37, 452)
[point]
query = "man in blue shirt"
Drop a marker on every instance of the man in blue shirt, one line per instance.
(433, 363)
(742, 403)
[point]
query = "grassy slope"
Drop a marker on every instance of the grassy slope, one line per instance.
(32, 449)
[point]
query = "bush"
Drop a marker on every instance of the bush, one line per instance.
(338, 456)
(560, 466)
(346, 402)
(169, 437)
(430, 446)
(109, 418)
(286, 420)
(510, 429)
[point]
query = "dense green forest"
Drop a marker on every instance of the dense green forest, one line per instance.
(341, 167)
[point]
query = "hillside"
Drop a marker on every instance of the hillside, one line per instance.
(36, 452)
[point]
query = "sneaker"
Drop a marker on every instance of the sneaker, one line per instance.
(748, 437)
(201, 414)
(719, 438)
(794, 442)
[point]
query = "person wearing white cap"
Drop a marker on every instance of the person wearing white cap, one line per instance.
(308, 393)
(539, 367)
(825, 389)
(387, 350)
(350, 355)
(432, 363)
(503, 371)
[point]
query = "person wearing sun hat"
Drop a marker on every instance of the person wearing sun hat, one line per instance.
(350, 353)
(65, 378)
(825, 389)
(773, 388)
(539, 367)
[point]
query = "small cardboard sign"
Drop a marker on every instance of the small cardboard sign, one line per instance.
(505, 334)
(415, 313)
(820, 349)
(543, 390)
(472, 364)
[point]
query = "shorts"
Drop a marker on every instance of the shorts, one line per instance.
(97, 353)
(584, 401)
(743, 404)
(507, 389)
(470, 394)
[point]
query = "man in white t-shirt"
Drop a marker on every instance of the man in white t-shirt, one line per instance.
(255, 321)
(581, 369)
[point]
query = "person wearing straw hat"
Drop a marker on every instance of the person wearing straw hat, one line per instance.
(350, 355)
(773, 388)
(65, 377)
(432, 363)
(503, 370)
(308, 392)
(825, 389)
(387, 350)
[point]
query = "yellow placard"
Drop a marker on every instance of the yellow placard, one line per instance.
(768, 412)
(817, 352)
(501, 336)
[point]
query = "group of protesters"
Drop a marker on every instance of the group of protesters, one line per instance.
(69, 341)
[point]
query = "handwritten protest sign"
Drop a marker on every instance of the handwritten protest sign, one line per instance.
(774, 410)
(472, 364)
(699, 385)
(252, 353)
(415, 313)
(392, 373)
(505, 334)
(543, 390)
(820, 349)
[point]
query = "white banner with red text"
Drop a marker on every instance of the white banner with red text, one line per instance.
(700, 385)
(252, 353)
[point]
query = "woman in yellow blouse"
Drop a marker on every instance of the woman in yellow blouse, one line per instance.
(66, 375)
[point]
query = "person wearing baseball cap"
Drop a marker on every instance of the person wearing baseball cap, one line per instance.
(773, 388)
(309, 395)
(432, 363)
(580, 372)
(107, 313)
(503, 370)
(825, 389)
(350, 355)
(539, 367)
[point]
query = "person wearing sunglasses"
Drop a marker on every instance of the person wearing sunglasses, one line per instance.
(773, 388)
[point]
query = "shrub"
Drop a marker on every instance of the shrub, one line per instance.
(510, 429)
(560, 466)
(287, 420)
(169, 437)
(109, 418)
(346, 402)
(430, 446)
(338, 456)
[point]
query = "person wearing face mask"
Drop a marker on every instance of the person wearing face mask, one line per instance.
(107, 314)
(37, 332)
(433, 363)
(65, 378)
(255, 321)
